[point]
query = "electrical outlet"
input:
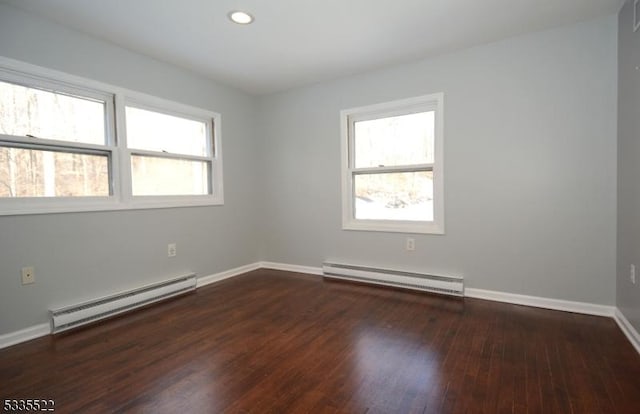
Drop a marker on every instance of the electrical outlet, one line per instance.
(411, 244)
(28, 275)
(172, 250)
(632, 274)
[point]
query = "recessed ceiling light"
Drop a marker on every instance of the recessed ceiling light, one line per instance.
(240, 17)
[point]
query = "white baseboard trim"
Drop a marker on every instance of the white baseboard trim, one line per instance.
(539, 302)
(207, 280)
(496, 296)
(292, 268)
(24, 335)
(632, 335)
(37, 331)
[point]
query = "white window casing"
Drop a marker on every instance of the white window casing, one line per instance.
(115, 145)
(427, 103)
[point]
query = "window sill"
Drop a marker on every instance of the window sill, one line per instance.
(395, 226)
(15, 207)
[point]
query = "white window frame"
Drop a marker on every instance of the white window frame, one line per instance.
(116, 98)
(212, 123)
(432, 102)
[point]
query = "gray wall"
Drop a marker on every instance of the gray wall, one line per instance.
(530, 166)
(628, 295)
(84, 255)
(530, 163)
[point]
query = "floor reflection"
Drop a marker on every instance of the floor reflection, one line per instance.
(400, 362)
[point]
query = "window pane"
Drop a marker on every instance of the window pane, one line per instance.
(154, 131)
(166, 176)
(36, 173)
(42, 114)
(396, 140)
(394, 196)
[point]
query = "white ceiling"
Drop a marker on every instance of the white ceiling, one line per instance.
(296, 42)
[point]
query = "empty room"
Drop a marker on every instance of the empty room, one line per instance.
(337, 206)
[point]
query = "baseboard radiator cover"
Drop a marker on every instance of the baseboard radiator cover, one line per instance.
(448, 285)
(74, 316)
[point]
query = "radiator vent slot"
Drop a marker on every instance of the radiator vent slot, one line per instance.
(81, 314)
(448, 285)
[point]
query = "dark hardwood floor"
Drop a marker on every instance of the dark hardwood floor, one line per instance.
(277, 342)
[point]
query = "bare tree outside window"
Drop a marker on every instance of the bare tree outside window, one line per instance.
(73, 144)
(175, 151)
(392, 172)
(34, 172)
(394, 141)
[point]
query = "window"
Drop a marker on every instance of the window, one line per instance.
(170, 154)
(392, 166)
(54, 140)
(60, 149)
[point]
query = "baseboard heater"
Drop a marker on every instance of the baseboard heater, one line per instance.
(73, 316)
(449, 285)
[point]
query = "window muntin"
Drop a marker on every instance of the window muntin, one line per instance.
(392, 166)
(29, 111)
(104, 157)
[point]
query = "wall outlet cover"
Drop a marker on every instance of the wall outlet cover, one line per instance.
(28, 275)
(172, 250)
(411, 244)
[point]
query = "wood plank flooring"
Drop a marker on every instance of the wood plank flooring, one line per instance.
(277, 342)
